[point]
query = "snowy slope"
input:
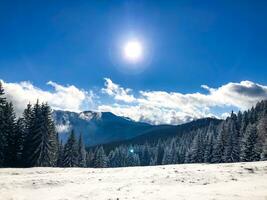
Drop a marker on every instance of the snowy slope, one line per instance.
(192, 181)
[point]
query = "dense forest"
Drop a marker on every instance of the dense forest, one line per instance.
(32, 141)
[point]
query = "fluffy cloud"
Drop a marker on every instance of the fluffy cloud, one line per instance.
(160, 107)
(117, 92)
(60, 97)
(156, 107)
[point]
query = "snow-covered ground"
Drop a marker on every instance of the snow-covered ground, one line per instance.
(173, 182)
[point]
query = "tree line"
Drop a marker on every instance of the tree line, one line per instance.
(241, 137)
(32, 141)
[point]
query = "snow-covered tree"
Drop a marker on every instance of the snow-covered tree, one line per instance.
(101, 160)
(81, 153)
(71, 152)
(250, 149)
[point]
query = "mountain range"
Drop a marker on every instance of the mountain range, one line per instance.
(105, 127)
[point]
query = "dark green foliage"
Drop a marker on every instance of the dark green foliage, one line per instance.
(11, 136)
(3, 141)
(101, 160)
(250, 145)
(41, 141)
(81, 153)
(70, 158)
(32, 141)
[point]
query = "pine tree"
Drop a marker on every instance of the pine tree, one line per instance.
(250, 149)
(71, 152)
(232, 149)
(41, 143)
(220, 144)
(168, 155)
(160, 152)
(11, 136)
(60, 155)
(197, 150)
(27, 120)
(50, 137)
(81, 153)
(209, 144)
(132, 159)
(19, 141)
(264, 151)
(145, 155)
(101, 159)
(3, 141)
(89, 159)
(262, 132)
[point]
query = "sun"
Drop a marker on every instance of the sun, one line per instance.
(133, 50)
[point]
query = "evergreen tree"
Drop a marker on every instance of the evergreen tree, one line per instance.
(250, 148)
(71, 152)
(11, 136)
(41, 145)
(220, 144)
(209, 144)
(81, 153)
(231, 150)
(19, 141)
(90, 159)
(196, 154)
(60, 155)
(168, 155)
(27, 120)
(132, 159)
(264, 151)
(101, 159)
(3, 141)
(262, 133)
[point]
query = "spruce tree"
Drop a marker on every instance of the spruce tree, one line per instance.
(71, 152)
(250, 146)
(264, 151)
(20, 135)
(197, 150)
(101, 159)
(3, 141)
(232, 149)
(41, 143)
(220, 144)
(81, 153)
(27, 120)
(50, 136)
(60, 155)
(11, 136)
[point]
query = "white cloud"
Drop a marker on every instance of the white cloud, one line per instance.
(117, 92)
(160, 107)
(61, 97)
(156, 107)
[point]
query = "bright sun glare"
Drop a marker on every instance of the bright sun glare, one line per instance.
(133, 50)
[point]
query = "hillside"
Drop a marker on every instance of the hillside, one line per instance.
(235, 181)
(98, 127)
(105, 127)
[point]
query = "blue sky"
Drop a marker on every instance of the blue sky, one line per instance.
(187, 44)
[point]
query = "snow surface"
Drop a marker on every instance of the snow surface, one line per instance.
(172, 182)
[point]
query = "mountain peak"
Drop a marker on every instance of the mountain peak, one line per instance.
(89, 115)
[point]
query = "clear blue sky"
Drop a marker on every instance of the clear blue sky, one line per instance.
(188, 43)
(193, 42)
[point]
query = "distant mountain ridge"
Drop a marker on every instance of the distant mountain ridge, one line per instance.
(97, 127)
(105, 127)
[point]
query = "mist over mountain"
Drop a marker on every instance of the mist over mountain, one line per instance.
(105, 127)
(98, 127)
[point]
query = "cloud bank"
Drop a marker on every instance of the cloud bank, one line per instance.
(155, 107)
(60, 97)
(161, 107)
